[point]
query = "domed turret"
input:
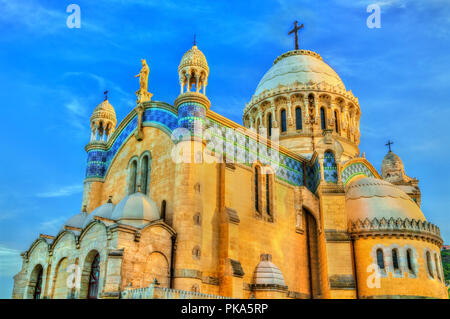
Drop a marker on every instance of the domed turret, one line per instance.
(392, 168)
(193, 70)
(136, 209)
(103, 122)
(192, 105)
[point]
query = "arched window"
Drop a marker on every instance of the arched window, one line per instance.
(94, 278)
(133, 178)
(395, 259)
(38, 287)
(257, 189)
(436, 262)
(145, 174)
(298, 118)
(269, 125)
(322, 118)
(283, 121)
(336, 121)
(429, 265)
(380, 258)
(163, 210)
(409, 260)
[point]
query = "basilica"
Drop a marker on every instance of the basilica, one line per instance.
(181, 202)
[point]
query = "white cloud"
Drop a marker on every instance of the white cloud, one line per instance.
(61, 191)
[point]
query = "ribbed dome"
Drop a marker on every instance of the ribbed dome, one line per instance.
(104, 111)
(194, 58)
(300, 66)
(103, 211)
(136, 209)
(266, 273)
(374, 198)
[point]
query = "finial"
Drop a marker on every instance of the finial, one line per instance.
(195, 40)
(388, 144)
(106, 94)
(139, 188)
(110, 199)
(84, 209)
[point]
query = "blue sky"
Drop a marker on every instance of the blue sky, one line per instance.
(52, 77)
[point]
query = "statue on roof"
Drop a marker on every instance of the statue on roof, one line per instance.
(143, 94)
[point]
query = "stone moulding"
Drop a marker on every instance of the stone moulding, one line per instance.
(301, 88)
(411, 228)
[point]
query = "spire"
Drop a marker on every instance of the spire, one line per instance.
(194, 43)
(106, 95)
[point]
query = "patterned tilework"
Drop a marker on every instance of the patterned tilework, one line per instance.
(192, 116)
(313, 176)
(99, 161)
(240, 148)
(330, 168)
(162, 117)
(353, 170)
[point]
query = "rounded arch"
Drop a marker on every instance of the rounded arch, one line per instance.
(356, 168)
(313, 254)
(145, 165)
(35, 283)
(90, 273)
(61, 236)
(133, 168)
(60, 288)
(156, 267)
(283, 120)
(89, 226)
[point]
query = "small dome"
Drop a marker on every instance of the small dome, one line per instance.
(104, 111)
(266, 273)
(76, 221)
(103, 211)
(298, 66)
(194, 58)
(136, 209)
(375, 198)
(392, 168)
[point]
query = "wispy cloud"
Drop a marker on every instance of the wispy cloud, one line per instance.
(52, 226)
(10, 261)
(61, 191)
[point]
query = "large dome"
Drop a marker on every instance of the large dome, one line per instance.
(375, 198)
(298, 66)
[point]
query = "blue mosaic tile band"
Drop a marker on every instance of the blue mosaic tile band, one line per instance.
(245, 149)
(355, 169)
(162, 117)
(192, 116)
(241, 148)
(313, 176)
(330, 168)
(99, 161)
